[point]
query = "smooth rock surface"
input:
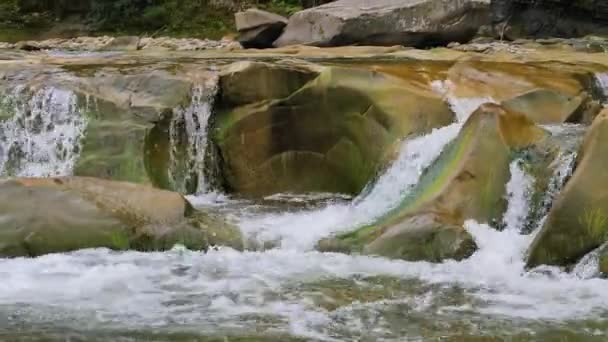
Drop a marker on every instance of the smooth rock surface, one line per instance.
(51, 215)
(330, 135)
(419, 23)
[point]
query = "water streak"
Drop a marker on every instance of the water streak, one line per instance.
(463, 107)
(42, 134)
(189, 128)
(602, 81)
(518, 196)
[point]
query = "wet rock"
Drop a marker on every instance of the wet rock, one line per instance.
(100, 120)
(51, 215)
(578, 220)
(546, 94)
(122, 109)
(248, 81)
(460, 185)
(386, 22)
(330, 135)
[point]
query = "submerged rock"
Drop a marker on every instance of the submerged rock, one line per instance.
(330, 135)
(386, 22)
(466, 182)
(578, 220)
(51, 215)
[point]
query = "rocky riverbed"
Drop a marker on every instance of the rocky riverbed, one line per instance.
(341, 193)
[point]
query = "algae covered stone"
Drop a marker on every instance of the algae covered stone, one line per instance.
(547, 94)
(578, 220)
(330, 135)
(467, 181)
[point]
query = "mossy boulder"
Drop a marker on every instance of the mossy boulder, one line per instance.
(50, 215)
(467, 181)
(547, 94)
(122, 108)
(330, 135)
(578, 220)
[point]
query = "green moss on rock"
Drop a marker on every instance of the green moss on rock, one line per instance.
(330, 135)
(578, 220)
(462, 184)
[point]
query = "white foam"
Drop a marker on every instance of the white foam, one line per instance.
(302, 229)
(42, 137)
(463, 107)
(194, 120)
(518, 196)
(602, 81)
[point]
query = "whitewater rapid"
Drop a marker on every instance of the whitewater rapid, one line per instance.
(43, 136)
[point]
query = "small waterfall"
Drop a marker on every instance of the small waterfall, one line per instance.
(588, 266)
(463, 107)
(301, 230)
(518, 197)
(188, 132)
(41, 132)
(602, 82)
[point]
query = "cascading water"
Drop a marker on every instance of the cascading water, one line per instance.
(602, 82)
(294, 291)
(188, 128)
(40, 133)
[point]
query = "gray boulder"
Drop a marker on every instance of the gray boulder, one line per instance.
(419, 23)
(258, 29)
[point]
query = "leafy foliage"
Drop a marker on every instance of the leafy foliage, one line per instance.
(194, 18)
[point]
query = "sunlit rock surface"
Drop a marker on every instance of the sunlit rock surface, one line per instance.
(51, 215)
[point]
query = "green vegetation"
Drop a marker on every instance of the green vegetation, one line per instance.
(21, 19)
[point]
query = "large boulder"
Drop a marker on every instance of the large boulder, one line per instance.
(460, 185)
(51, 215)
(578, 220)
(386, 22)
(258, 29)
(330, 135)
(547, 94)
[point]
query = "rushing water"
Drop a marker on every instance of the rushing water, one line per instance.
(602, 81)
(41, 136)
(189, 127)
(293, 292)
